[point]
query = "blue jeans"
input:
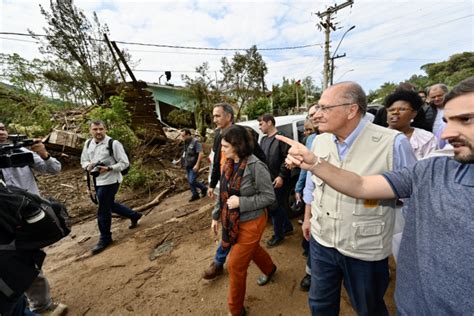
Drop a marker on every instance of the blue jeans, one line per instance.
(193, 183)
(221, 255)
(281, 223)
(107, 205)
(365, 282)
(20, 308)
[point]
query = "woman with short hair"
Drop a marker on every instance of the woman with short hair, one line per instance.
(245, 191)
(403, 112)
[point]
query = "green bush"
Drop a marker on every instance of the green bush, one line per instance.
(139, 178)
(257, 107)
(117, 118)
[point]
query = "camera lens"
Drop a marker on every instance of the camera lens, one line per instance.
(35, 217)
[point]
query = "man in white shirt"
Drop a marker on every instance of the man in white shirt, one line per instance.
(435, 98)
(96, 156)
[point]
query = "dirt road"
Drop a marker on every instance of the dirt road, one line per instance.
(134, 277)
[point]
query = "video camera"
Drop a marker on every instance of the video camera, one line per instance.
(10, 154)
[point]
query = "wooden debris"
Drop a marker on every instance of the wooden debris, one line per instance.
(84, 239)
(155, 201)
(67, 186)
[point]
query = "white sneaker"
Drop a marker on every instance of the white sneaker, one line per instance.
(55, 309)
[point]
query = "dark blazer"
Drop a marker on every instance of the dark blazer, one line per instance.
(276, 158)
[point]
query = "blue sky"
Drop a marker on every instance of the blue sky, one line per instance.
(390, 42)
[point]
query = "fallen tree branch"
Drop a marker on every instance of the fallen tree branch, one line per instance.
(155, 201)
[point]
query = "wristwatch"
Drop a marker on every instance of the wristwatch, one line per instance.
(109, 168)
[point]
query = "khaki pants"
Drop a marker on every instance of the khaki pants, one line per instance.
(39, 297)
(245, 250)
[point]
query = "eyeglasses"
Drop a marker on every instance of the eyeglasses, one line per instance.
(400, 110)
(326, 108)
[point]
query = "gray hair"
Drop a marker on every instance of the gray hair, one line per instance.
(353, 92)
(227, 109)
(442, 86)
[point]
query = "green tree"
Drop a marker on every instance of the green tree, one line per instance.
(379, 95)
(24, 74)
(420, 81)
(452, 71)
(257, 107)
(117, 118)
(79, 47)
(244, 77)
(312, 93)
(206, 93)
(284, 96)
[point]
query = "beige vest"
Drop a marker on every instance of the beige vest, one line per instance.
(357, 228)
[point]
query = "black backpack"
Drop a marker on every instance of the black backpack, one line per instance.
(110, 147)
(29, 222)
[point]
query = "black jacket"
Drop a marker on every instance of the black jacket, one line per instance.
(190, 155)
(276, 158)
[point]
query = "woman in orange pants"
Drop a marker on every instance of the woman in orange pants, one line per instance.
(245, 192)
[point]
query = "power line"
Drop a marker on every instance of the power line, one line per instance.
(18, 40)
(179, 46)
(217, 49)
(211, 54)
(378, 39)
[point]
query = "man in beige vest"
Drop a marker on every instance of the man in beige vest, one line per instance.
(350, 239)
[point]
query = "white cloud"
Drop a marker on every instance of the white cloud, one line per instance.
(392, 39)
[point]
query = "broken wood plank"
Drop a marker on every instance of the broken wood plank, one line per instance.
(155, 201)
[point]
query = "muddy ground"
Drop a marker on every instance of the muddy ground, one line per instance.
(155, 269)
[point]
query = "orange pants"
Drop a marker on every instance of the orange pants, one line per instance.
(246, 249)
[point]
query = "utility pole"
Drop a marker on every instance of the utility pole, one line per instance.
(327, 25)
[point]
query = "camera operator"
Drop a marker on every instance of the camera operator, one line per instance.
(39, 297)
(96, 158)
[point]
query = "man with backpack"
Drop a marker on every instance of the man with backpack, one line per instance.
(191, 160)
(106, 159)
(38, 294)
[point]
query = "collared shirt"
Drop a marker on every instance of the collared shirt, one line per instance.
(23, 177)
(402, 155)
(300, 184)
(435, 273)
(99, 152)
(422, 142)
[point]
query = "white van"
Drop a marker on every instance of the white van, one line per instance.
(291, 125)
